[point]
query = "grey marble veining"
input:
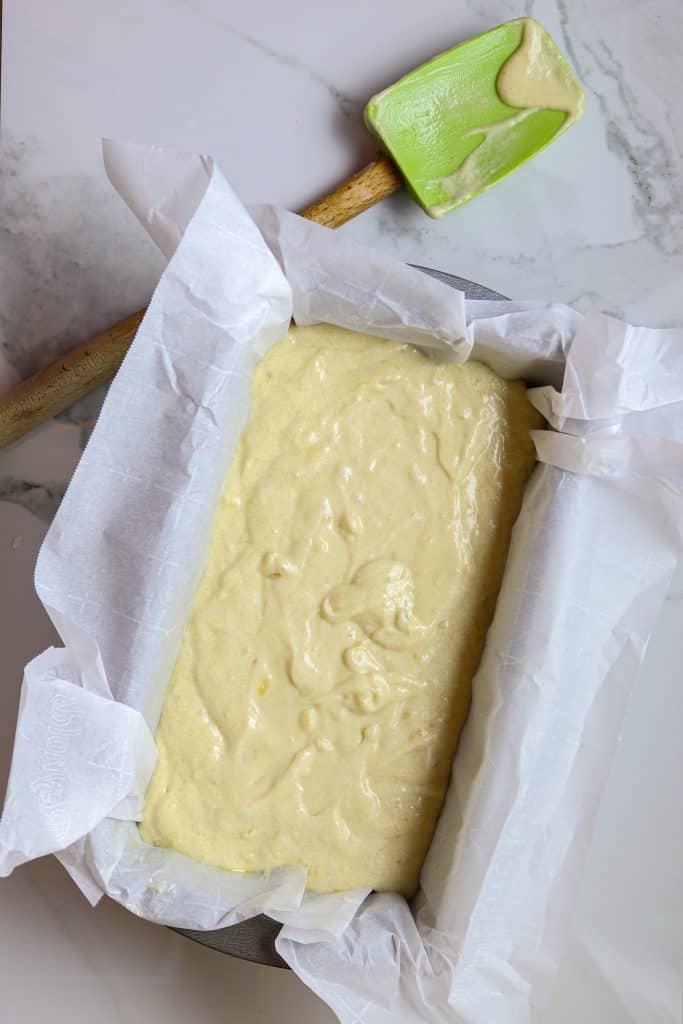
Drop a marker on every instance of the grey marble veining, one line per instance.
(641, 129)
(346, 104)
(42, 499)
(72, 261)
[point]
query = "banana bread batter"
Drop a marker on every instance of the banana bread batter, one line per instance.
(352, 573)
(538, 77)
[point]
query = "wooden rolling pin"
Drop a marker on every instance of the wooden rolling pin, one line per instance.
(59, 385)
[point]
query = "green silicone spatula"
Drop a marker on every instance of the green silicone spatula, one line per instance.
(448, 130)
(462, 121)
(465, 119)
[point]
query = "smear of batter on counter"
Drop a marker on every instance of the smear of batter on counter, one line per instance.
(352, 573)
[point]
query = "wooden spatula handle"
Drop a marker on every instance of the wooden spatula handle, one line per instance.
(59, 385)
(376, 181)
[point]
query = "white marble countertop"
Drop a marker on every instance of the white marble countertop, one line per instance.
(275, 91)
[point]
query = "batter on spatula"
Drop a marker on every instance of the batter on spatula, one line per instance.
(352, 573)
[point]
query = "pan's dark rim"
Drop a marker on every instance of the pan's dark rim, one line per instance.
(472, 289)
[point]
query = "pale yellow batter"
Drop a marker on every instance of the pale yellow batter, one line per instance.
(352, 573)
(538, 77)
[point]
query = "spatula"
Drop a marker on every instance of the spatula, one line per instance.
(448, 131)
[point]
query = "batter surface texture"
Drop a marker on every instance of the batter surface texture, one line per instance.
(352, 573)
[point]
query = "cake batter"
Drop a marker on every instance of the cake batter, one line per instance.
(352, 573)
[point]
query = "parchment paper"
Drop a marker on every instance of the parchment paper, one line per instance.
(591, 557)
